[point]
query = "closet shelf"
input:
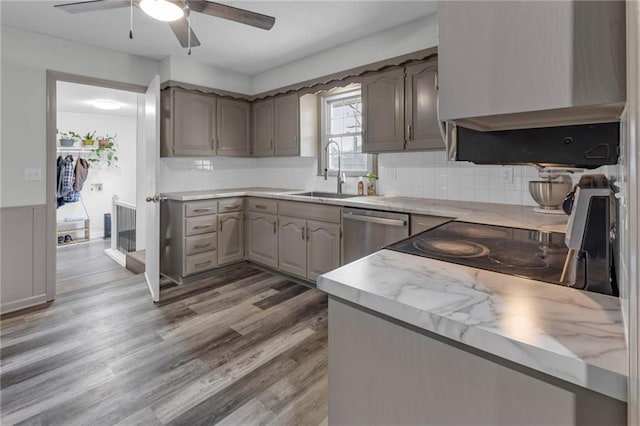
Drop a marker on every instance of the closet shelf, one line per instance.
(74, 148)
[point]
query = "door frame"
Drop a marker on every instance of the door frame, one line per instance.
(53, 77)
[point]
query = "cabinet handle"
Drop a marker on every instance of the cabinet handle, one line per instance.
(302, 234)
(260, 206)
(409, 132)
(221, 225)
(231, 207)
(271, 144)
(201, 210)
(307, 234)
(199, 246)
(199, 265)
(274, 228)
(203, 226)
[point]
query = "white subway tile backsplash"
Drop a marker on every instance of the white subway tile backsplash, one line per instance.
(426, 174)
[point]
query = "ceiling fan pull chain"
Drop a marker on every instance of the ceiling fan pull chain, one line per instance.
(131, 21)
(189, 33)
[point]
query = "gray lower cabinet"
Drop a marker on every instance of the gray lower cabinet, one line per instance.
(292, 246)
(230, 238)
(383, 373)
(308, 248)
(383, 111)
(323, 248)
(262, 238)
(233, 128)
(287, 125)
(262, 128)
(188, 123)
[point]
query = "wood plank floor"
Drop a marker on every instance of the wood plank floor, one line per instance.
(240, 347)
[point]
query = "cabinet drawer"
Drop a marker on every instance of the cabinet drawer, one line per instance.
(200, 243)
(310, 211)
(421, 223)
(263, 205)
(200, 208)
(200, 262)
(230, 205)
(200, 225)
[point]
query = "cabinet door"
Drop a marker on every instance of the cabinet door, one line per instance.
(323, 248)
(233, 128)
(262, 128)
(194, 117)
(286, 125)
(422, 131)
(383, 112)
(292, 246)
(262, 238)
(230, 238)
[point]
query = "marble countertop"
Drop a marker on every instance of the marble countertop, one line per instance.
(570, 334)
(487, 213)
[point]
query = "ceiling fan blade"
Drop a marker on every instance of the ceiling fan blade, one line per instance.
(231, 13)
(92, 5)
(181, 30)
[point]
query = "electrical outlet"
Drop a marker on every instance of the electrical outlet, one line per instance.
(95, 187)
(507, 174)
(32, 174)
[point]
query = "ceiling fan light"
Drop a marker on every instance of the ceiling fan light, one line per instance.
(162, 10)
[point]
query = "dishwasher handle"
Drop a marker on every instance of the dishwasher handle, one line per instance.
(374, 219)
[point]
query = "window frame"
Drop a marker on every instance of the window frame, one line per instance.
(325, 99)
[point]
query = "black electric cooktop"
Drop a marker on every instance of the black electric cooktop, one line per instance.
(522, 252)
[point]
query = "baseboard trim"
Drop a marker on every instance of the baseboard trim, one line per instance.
(28, 302)
(116, 256)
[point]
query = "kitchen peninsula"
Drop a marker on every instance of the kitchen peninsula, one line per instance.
(412, 338)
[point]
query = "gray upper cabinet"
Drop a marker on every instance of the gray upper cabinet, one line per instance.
(507, 65)
(323, 248)
(233, 121)
(422, 130)
(262, 128)
(188, 122)
(230, 238)
(383, 111)
(287, 125)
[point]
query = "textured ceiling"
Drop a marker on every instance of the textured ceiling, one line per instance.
(302, 28)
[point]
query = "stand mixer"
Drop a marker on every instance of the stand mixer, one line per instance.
(551, 190)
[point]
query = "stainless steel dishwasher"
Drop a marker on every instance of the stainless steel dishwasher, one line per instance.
(367, 231)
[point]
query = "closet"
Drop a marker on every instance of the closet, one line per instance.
(71, 160)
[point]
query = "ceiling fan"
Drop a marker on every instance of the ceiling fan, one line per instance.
(176, 13)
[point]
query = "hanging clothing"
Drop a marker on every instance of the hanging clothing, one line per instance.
(81, 172)
(68, 176)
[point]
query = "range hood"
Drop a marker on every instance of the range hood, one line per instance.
(506, 65)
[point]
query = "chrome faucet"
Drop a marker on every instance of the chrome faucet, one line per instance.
(342, 177)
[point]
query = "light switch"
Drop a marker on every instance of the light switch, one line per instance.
(31, 174)
(507, 174)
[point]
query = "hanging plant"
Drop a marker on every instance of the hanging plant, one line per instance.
(105, 152)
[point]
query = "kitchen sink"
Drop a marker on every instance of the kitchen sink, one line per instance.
(325, 195)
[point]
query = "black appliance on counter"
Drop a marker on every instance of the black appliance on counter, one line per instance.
(579, 259)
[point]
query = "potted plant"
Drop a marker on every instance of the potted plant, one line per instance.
(87, 140)
(68, 138)
(105, 152)
(104, 141)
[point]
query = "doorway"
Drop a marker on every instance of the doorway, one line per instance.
(96, 150)
(71, 127)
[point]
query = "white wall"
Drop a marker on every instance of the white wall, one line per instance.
(120, 180)
(188, 71)
(407, 38)
(25, 58)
